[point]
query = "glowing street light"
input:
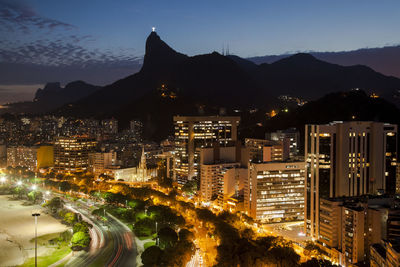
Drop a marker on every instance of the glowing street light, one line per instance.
(34, 187)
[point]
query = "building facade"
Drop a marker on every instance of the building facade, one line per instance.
(71, 154)
(100, 161)
(31, 157)
(192, 133)
(292, 135)
(275, 191)
(347, 159)
(261, 150)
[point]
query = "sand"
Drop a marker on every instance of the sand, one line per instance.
(17, 228)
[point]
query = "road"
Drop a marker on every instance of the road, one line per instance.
(112, 243)
(196, 260)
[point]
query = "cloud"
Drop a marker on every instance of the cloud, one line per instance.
(69, 51)
(35, 50)
(19, 16)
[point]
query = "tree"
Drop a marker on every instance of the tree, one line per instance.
(285, 256)
(54, 205)
(190, 187)
(313, 250)
(185, 235)
(70, 218)
(20, 191)
(144, 227)
(35, 196)
(65, 186)
(82, 227)
(167, 237)
(152, 256)
(317, 263)
(80, 240)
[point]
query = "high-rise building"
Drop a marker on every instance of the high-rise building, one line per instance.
(100, 161)
(293, 137)
(398, 179)
(23, 156)
(31, 157)
(3, 155)
(347, 159)
(385, 254)
(275, 191)
(261, 150)
(192, 133)
(71, 154)
(350, 225)
(221, 175)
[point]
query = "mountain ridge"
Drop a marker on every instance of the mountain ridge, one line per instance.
(385, 60)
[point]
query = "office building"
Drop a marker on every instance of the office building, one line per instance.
(274, 191)
(100, 161)
(385, 254)
(31, 157)
(261, 150)
(350, 225)
(71, 154)
(212, 178)
(192, 133)
(347, 159)
(222, 173)
(293, 137)
(398, 179)
(3, 155)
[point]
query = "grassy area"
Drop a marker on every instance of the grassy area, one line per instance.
(144, 237)
(47, 260)
(149, 244)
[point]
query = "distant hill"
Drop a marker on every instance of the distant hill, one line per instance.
(339, 106)
(385, 60)
(53, 96)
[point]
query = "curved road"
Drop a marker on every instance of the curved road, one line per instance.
(112, 243)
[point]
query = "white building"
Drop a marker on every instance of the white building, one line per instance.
(275, 191)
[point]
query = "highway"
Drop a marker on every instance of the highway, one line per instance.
(112, 243)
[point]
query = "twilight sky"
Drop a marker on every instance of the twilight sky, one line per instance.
(101, 41)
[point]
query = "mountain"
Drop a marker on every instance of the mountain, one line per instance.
(53, 96)
(304, 76)
(385, 60)
(171, 83)
(208, 79)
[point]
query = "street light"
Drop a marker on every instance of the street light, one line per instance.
(36, 215)
(157, 235)
(34, 187)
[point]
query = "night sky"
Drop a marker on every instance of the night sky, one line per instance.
(101, 41)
